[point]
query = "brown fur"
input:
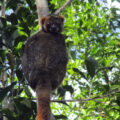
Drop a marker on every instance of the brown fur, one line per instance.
(44, 64)
(43, 104)
(47, 23)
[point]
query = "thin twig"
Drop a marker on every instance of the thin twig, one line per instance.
(88, 99)
(80, 100)
(63, 7)
(3, 9)
(105, 68)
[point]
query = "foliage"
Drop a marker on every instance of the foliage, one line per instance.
(93, 73)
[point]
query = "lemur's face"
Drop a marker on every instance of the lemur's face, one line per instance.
(52, 24)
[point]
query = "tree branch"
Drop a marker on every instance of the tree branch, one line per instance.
(104, 68)
(80, 100)
(63, 7)
(3, 9)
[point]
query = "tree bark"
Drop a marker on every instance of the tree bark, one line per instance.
(42, 9)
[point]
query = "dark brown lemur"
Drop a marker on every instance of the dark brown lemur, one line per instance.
(52, 24)
(44, 62)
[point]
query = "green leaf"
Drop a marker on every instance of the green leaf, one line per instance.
(78, 71)
(91, 65)
(4, 91)
(9, 114)
(13, 19)
(2, 23)
(118, 100)
(30, 3)
(16, 92)
(27, 91)
(2, 56)
(27, 103)
(24, 12)
(61, 91)
(11, 60)
(73, 54)
(25, 28)
(20, 75)
(20, 38)
(1, 1)
(60, 117)
(68, 88)
(22, 105)
(13, 4)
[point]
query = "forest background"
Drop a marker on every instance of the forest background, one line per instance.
(91, 88)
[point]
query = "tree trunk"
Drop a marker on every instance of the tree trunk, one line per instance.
(42, 9)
